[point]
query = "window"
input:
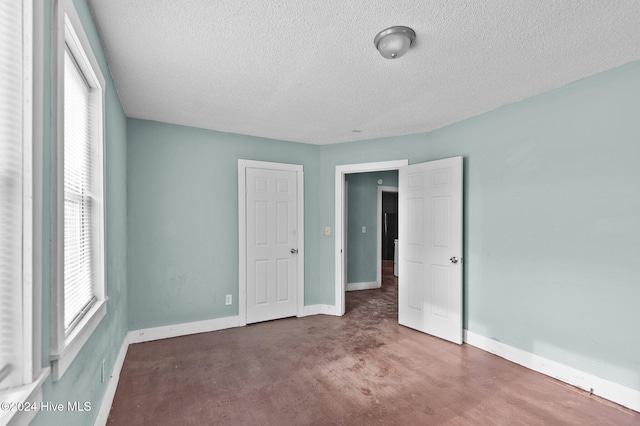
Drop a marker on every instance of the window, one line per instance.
(21, 375)
(79, 300)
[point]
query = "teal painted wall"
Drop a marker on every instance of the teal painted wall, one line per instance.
(81, 382)
(362, 202)
(552, 220)
(183, 219)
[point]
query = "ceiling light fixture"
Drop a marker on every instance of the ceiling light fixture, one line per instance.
(394, 41)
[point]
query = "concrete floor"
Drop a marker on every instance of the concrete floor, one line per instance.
(362, 368)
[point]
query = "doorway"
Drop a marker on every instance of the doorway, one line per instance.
(340, 220)
(430, 243)
(365, 224)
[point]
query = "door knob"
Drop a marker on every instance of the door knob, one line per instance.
(294, 251)
(453, 260)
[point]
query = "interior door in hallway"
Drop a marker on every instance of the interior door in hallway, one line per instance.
(430, 251)
(272, 252)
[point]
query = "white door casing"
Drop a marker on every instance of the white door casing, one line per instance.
(430, 248)
(271, 241)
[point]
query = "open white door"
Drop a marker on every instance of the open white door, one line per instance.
(430, 248)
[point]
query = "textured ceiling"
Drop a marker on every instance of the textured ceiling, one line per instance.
(307, 71)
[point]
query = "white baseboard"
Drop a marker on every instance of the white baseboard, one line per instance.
(184, 329)
(328, 310)
(604, 388)
(110, 393)
(310, 310)
(363, 286)
(318, 309)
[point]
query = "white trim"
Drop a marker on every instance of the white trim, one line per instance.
(27, 193)
(311, 310)
(243, 165)
(184, 329)
(318, 310)
(112, 385)
(269, 165)
(57, 157)
(602, 387)
(33, 375)
(345, 230)
(381, 189)
(328, 310)
(30, 394)
(363, 286)
(62, 358)
(37, 158)
(242, 242)
(339, 219)
(300, 228)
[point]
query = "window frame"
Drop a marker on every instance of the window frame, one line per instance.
(68, 33)
(33, 374)
(21, 371)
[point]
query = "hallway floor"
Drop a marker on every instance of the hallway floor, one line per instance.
(362, 368)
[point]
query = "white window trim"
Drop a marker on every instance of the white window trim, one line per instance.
(65, 348)
(33, 373)
(28, 396)
(27, 196)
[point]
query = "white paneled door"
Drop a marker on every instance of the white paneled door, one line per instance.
(430, 248)
(272, 252)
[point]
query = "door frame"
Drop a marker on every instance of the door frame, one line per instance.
(340, 236)
(381, 189)
(243, 165)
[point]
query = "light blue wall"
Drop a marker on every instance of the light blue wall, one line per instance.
(552, 220)
(81, 382)
(362, 248)
(183, 219)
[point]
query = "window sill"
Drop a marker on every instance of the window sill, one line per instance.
(62, 359)
(23, 401)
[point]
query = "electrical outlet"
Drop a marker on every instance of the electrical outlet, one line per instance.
(227, 299)
(102, 371)
(364, 229)
(327, 230)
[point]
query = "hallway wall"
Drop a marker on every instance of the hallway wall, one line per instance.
(362, 210)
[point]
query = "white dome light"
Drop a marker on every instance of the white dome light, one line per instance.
(394, 41)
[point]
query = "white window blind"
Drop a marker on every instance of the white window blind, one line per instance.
(80, 192)
(11, 213)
